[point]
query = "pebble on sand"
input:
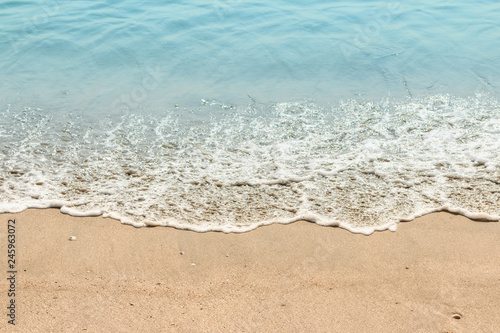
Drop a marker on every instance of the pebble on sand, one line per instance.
(72, 238)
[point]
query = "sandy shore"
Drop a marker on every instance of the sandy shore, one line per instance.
(280, 278)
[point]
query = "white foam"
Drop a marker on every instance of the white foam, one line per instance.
(363, 167)
(77, 213)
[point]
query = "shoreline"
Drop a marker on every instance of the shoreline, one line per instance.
(297, 277)
(62, 207)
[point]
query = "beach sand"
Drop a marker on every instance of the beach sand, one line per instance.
(280, 278)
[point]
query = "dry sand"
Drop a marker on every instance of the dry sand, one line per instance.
(280, 278)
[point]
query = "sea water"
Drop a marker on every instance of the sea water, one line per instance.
(230, 114)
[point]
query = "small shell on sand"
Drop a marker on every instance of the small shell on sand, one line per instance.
(72, 238)
(456, 316)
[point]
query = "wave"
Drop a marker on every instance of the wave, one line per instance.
(360, 165)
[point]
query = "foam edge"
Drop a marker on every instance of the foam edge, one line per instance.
(308, 217)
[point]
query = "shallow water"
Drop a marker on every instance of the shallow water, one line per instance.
(227, 115)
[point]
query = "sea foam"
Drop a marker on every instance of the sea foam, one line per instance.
(360, 165)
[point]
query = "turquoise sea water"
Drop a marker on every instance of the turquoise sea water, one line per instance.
(225, 115)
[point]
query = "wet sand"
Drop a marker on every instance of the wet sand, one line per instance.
(280, 278)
